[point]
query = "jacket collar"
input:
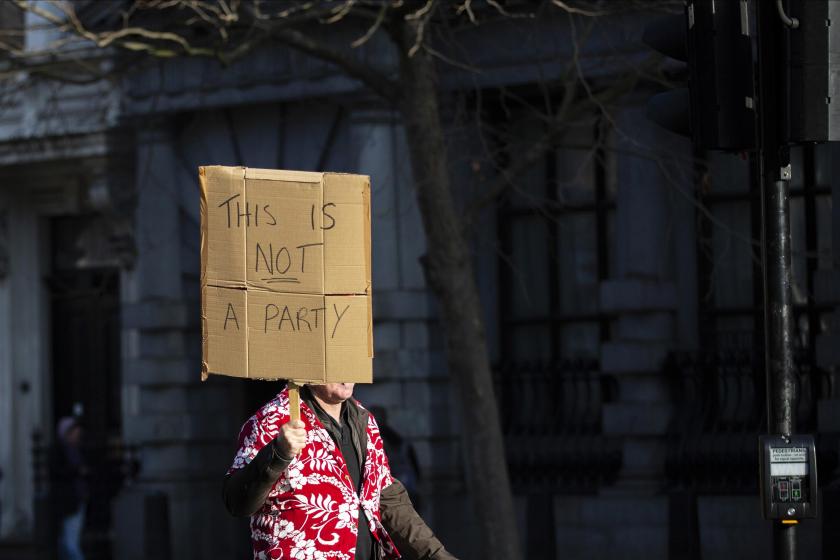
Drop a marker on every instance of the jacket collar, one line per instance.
(351, 412)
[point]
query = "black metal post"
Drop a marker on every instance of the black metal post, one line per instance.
(775, 177)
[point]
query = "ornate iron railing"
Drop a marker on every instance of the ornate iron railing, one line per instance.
(552, 422)
(720, 410)
(111, 466)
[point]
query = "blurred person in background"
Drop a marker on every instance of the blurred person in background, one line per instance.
(68, 482)
(401, 455)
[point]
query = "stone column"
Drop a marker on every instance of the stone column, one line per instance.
(8, 490)
(401, 304)
(827, 288)
(24, 363)
(629, 518)
(181, 426)
(643, 293)
(410, 378)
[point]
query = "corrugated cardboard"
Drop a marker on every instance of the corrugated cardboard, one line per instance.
(285, 275)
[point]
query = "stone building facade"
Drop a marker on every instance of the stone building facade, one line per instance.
(599, 269)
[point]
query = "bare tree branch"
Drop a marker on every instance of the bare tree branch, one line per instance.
(377, 81)
(580, 11)
(372, 29)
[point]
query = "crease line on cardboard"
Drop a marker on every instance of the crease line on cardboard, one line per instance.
(245, 278)
(323, 272)
(366, 233)
(202, 184)
(223, 284)
(370, 326)
(287, 175)
(263, 290)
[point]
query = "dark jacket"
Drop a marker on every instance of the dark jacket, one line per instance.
(68, 481)
(246, 489)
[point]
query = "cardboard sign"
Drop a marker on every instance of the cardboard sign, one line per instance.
(285, 275)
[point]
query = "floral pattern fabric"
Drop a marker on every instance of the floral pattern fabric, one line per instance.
(312, 512)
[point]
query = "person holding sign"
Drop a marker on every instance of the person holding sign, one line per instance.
(320, 486)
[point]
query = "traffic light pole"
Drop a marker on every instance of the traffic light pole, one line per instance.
(775, 179)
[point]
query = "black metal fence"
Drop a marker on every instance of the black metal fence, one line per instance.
(712, 443)
(111, 465)
(551, 416)
(720, 410)
(552, 422)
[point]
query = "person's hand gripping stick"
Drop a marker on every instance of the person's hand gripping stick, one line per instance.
(292, 439)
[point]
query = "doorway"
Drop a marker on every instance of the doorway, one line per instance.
(86, 381)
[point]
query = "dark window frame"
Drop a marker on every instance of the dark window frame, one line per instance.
(552, 210)
(709, 312)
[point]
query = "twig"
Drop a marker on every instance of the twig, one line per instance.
(340, 13)
(574, 10)
(466, 7)
(422, 11)
(372, 29)
(451, 61)
(378, 82)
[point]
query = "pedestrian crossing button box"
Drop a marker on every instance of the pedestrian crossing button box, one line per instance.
(788, 477)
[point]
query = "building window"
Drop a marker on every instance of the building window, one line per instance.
(554, 226)
(731, 285)
(729, 225)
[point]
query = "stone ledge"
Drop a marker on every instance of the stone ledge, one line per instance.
(625, 542)
(828, 350)
(386, 336)
(156, 315)
(637, 296)
(411, 364)
(648, 387)
(642, 464)
(176, 428)
(637, 418)
(828, 415)
(621, 357)
(826, 288)
(608, 511)
(161, 372)
(402, 305)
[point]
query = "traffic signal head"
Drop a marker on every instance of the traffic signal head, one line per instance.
(713, 39)
(670, 109)
(814, 72)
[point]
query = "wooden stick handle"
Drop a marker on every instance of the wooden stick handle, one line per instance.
(294, 401)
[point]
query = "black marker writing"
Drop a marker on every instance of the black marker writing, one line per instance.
(279, 262)
(268, 261)
(304, 317)
(301, 317)
(271, 221)
(227, 204)
(270, 215)
(231, 314)
(286, 316)
(303, 252)
(276, 311)
(246, 215)
(316, 310)
(338, 317)
(326, 215)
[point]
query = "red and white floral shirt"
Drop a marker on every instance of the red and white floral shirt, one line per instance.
(312, 512)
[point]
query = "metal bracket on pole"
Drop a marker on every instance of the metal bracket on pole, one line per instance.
(785, 173)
